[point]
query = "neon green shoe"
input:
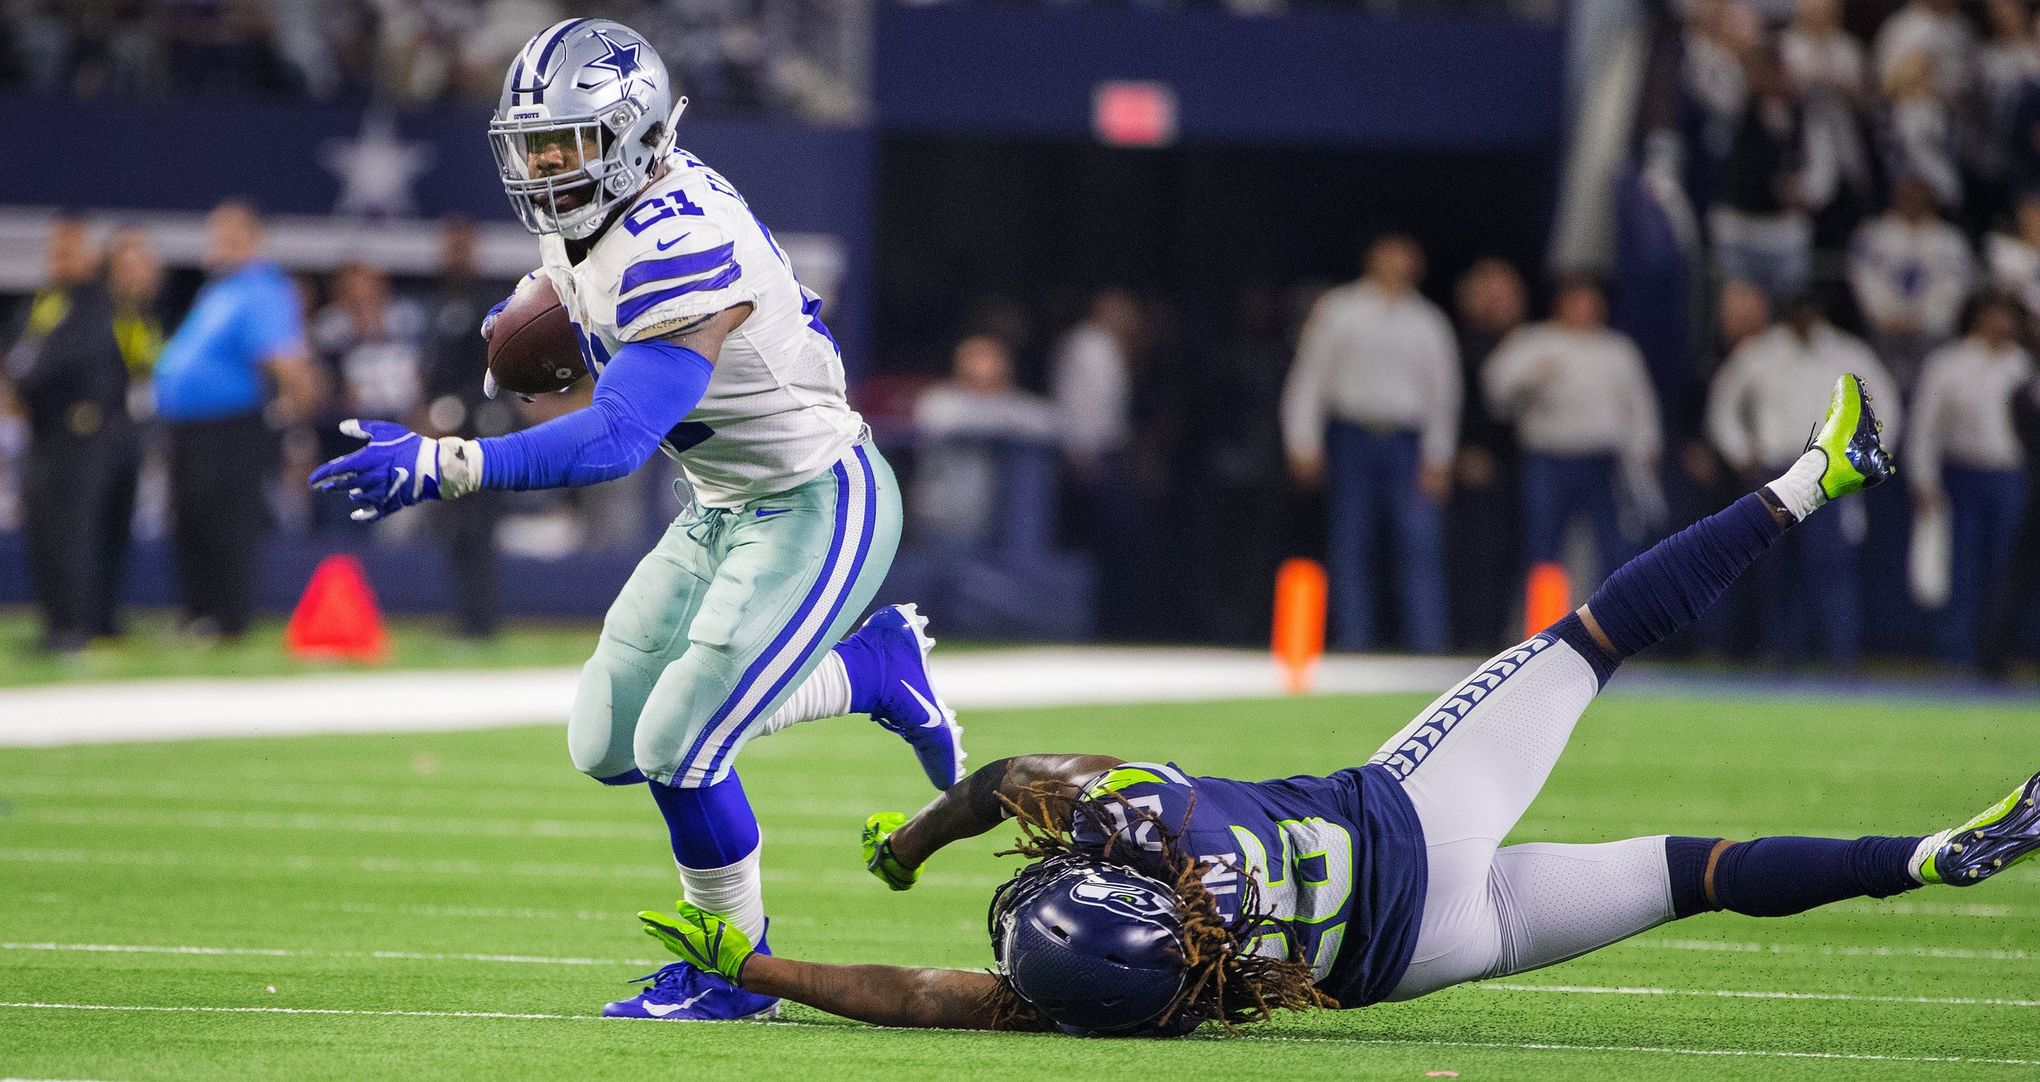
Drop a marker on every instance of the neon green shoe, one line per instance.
(2005, 833)
(1849, 437)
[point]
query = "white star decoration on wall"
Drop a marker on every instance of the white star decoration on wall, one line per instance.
(377, 170)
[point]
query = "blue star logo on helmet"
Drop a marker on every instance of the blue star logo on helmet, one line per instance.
(622, 60)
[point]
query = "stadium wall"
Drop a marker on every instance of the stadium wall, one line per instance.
(1311, 77)
(349, 164)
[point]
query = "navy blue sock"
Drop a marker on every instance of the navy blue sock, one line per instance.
(711, 827)
(1777, 877)
(1573, 632)
(1649, 598)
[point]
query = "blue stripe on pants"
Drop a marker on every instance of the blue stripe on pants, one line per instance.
(804, 632)
(819, 639)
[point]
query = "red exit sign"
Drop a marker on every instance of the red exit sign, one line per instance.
(1130, 113)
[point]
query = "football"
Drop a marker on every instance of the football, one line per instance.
(532, 349)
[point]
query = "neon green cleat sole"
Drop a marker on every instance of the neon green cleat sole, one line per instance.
(2000, 836)
(1850, 436)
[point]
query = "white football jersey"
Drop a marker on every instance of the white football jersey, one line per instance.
(775, 413)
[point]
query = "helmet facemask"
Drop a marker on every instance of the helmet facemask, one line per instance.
(565, 175)
(586, 116)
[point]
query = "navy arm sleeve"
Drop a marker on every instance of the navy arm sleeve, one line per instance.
(646, 389)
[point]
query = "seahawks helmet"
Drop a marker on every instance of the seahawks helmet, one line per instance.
(1095, 948)
(587, 113)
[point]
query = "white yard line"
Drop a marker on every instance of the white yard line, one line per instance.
(282, 867)
(1733, 993)
(2011, 954)
(1648, 1050)
(154, 818)
(298, 1010)
(1499, 1046)
(604, 916)
(479, 699)
(278, 952)
(529, 959)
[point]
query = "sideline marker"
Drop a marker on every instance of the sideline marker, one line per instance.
(1299, 634)
(337, 618)
(1547, 597)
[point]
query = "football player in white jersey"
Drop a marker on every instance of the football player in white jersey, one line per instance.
(705, 345)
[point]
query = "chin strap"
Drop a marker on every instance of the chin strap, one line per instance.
(460, 467)
(672, 132)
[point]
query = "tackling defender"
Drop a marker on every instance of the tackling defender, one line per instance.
(1158, 901)
(706, 346)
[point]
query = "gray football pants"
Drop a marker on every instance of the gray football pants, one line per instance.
(1471, 764)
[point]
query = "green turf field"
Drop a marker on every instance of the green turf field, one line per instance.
(459, 905)
(152, 648)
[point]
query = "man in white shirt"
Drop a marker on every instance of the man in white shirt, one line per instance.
(1091, 380)
(1375, 393)
(1586, 416)
(1964, 454)
(972, 429)
(1911, 273)
(1753, 418)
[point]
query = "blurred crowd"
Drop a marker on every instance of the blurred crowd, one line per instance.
(196, 422)
(1452, 453)
(739, 56)
(1458, 454)
(1868, 175)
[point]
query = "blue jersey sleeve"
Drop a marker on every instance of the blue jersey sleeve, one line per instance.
(646, 389)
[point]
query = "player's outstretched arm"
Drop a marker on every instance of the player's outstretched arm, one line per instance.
(648, 388)
(895, 851)
(881, 995)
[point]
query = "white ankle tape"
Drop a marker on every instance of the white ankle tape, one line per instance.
(1799, 489)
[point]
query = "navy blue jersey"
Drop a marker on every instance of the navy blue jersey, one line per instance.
(1338, 860)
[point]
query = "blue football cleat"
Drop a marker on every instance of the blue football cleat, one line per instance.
(893, 645)
(682, 993)
(2000, 836)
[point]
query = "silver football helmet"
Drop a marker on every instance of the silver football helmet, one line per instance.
(587, 113)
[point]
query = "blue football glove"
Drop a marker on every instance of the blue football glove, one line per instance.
(489, 388)
(489, 321)
(397, 469)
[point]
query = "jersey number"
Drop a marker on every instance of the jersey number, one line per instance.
(657, 209)
(1309, 883)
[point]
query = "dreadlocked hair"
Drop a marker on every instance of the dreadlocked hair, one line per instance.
(1223, 980)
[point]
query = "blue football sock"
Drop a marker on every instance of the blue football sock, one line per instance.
(711, 827)
(1776, 877)
(1651, 597)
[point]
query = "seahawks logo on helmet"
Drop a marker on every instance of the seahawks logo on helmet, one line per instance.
(1126, 899)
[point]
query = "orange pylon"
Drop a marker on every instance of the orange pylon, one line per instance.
(1547, 597)
(1299, 635)
(337, 617)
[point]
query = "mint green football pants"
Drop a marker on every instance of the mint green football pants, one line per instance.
(727, 615)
